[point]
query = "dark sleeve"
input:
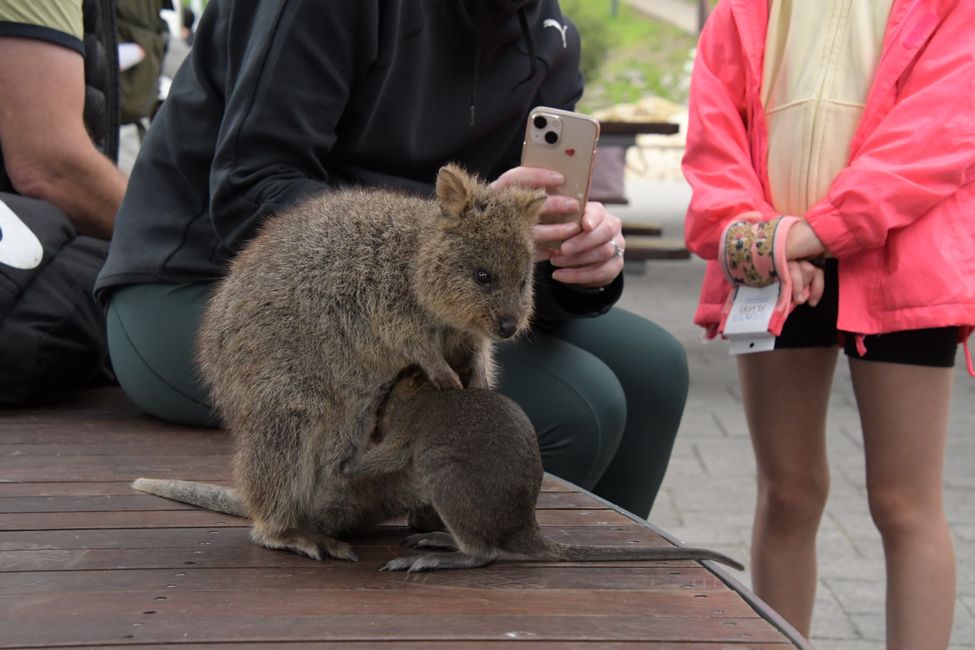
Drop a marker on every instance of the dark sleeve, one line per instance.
(293, 66)
(556, 302)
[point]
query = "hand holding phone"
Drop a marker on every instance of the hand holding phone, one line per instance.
(565, 142)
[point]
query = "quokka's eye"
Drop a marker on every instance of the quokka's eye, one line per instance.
(480, 205)
(483, 277)
(521, 287)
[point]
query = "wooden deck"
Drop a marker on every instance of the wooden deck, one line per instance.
(87, 561)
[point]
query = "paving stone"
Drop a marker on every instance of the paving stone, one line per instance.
(830, 621)
(846, 644)
(857, 596)
(963, 630)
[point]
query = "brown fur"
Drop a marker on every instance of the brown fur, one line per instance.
(473, 456)
(465, 460)
(323, 310)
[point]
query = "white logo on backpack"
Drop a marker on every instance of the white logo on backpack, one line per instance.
(19, 246)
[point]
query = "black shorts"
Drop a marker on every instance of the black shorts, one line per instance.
(812, 327)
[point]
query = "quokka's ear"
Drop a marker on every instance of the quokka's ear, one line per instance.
(532, 202)
(455, 190)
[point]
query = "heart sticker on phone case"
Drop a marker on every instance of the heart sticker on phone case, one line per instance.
(570, 152)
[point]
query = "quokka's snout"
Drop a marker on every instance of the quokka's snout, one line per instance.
(506, 326)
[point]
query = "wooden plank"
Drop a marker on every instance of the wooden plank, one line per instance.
(135, 500)
(652, 248)
(70, 489)
(208, 554)
(247, 600)
(641, 230)
(114, 468)
(150, 538)
(638, 128)
(124, 445)
(305, 574)
(101, 488)
(83, 626)
(192, 518)
(521, 644)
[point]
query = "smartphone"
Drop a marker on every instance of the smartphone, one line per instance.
(565, 142)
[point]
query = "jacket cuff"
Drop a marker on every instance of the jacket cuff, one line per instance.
(556, 302)
(831, 229)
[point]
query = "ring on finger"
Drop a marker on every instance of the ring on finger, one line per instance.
(617, 251)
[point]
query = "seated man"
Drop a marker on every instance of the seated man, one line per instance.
(59, 191)
(282, 100)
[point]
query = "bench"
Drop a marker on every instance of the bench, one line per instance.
(87, 561)
(643, 241)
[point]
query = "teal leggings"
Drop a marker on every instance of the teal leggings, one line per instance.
(605, 394)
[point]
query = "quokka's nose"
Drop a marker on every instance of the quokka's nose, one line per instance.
(507, 326)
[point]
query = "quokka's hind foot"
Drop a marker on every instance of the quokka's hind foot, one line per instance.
(439, 561)
(437, 539)
(314, 545)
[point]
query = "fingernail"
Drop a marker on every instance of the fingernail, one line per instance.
(555, 177)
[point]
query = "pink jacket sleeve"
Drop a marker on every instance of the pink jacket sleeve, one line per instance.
(718, 160)
(920, 153)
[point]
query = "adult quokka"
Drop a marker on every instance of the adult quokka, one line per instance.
(322, 311)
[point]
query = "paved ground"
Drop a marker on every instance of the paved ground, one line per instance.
(708, 494)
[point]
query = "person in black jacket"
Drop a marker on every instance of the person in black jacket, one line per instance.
(59, 191)
(280, 100)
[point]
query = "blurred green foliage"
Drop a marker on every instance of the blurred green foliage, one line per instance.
(628, 56)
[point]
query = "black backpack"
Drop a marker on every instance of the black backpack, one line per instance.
(52, 332)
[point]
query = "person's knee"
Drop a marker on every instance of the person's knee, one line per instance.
(899, 512)
(579, 439)
(665, 361)
(168, 391)
(793, 502)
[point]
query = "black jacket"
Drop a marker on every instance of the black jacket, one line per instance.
(284, 98)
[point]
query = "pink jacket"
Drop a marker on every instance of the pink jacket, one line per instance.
(901, 215)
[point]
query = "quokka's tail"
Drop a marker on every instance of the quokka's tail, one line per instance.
(655, 553)
(535, 545)
(203, 495)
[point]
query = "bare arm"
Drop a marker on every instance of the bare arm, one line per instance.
(47, 151)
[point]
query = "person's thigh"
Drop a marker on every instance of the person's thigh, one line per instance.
(651, 366)
(904, 410)
(152, 341)
(573, 400)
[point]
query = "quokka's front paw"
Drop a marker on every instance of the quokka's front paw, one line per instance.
(445, 379)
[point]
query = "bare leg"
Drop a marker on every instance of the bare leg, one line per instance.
(785, 394)
(904, 413)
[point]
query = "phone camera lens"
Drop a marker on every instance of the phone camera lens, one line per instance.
(551, 137)
(540, 122)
